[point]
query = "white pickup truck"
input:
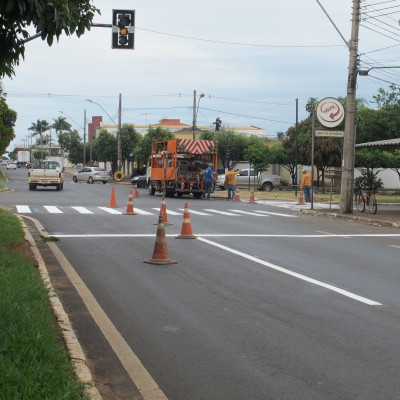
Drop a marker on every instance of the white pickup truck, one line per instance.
(45, 173)
(256, 180)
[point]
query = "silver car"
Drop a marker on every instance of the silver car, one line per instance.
(11, 165)
(91, 175)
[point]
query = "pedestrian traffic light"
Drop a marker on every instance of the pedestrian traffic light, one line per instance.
(218, 124)
(123, 29)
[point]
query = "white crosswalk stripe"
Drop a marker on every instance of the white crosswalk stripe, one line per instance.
(142, 212)
(221, 212)
(279, 214)
(249, 213)
(110, 210)
(24, 210)
(194, 212)
(169, 212)
(53, 209)
(83, 210)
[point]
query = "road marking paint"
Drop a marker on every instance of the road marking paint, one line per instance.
(221, 212)
(249, 213)
(194, 212)
(328, 233)
(169, 212)
(294, 274)
(393, 245)
(83, 210)
(279, 214)
(23, 209)
(110, 210)
(53, 210)
(142, 212)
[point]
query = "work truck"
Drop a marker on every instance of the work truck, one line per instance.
(45, 173)
(177, 165)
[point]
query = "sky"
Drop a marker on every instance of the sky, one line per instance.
(251, 59)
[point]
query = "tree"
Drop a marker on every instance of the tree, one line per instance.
(259, 157)
(71, 143)
(8, 118)
(368, 161)
(130, 138)
(105, 146)
(393, 160)
(60, 124)
(50, 18)
(39, 128)
(385, 98)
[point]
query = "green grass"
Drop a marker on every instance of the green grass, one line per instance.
(33, 362)
(2, 178)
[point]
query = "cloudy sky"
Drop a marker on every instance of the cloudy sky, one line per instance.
(251, 59)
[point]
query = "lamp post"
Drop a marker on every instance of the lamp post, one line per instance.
(119, 149)
(364, 72)
(195, 111)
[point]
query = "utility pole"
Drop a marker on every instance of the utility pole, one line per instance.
(84, 138)
(119, 152)
(296, 151)
(346, 202)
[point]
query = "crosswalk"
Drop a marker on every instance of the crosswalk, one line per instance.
(206, 212)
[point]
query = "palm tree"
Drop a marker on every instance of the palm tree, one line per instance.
(38, 128)
(60, 124)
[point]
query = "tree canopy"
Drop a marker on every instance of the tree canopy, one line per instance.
(8, 118)
(50, 18)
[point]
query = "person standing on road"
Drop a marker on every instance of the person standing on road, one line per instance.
(305, 185)
(230, 183)
(209, 178)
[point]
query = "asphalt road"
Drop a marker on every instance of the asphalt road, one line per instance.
(265, 304)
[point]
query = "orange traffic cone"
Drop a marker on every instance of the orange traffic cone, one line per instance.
(160, 253)
(252, 200)
(136, 193)
(113, 203)
(186, 231)
(301, 199)
(129, 207)
(163, 213)
(237, 196)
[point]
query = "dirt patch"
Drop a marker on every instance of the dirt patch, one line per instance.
(24, 249)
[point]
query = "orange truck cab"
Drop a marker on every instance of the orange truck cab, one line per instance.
(177, 165)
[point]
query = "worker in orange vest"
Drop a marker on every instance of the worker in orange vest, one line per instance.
(305, 185)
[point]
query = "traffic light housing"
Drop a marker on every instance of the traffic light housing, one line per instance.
(123, 29)
(218, 124)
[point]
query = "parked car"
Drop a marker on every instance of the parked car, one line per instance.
(4, 163)
(140, 181)
(11, 165)
(256, 180)
(91, 175)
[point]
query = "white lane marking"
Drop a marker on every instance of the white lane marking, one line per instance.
(194, 212)
(110, 210)
(53, 210)
(23, 209)
(221, 212)
(328, 233)
(249, 213)
(142, 212)
(169, 212)
(294, 274)
(83, 210)
(273, 213)
(393, 245)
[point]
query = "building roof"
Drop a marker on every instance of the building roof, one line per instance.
(381, 143)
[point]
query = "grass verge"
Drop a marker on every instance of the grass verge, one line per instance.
(33, 362)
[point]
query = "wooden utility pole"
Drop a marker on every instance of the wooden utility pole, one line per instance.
(194, 113)
(346, 202)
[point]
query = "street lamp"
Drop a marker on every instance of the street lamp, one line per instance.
(119, 149)
(364, 72)
(195, 112)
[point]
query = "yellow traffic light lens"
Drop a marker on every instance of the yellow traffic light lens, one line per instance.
(123, 31)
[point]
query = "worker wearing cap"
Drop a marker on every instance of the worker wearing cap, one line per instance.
(209, 178)
(305, 185)
(230, 183)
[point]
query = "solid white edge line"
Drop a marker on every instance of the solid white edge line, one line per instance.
(294, 274)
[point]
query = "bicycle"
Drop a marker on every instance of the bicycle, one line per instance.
(365, 197)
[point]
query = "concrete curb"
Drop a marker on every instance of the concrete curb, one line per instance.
(335, 215)
(74, 348)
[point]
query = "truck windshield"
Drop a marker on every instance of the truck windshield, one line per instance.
(46, 165)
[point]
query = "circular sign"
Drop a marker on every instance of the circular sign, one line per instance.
(330, 112)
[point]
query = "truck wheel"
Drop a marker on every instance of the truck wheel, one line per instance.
(104, 182)
(197, 195)
(267, 187)
(32, 186)
(152, 190)
(170, 192)
(58, 187)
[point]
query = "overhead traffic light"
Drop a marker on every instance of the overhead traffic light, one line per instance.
(218, 124)
(123, 29)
